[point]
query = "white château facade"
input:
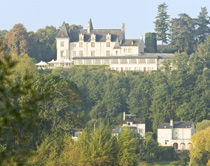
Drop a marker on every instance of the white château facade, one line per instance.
(104, 47)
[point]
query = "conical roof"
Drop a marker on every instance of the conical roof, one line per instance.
(63, 33)
(91, 25)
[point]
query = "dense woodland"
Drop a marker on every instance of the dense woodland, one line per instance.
(39, 108)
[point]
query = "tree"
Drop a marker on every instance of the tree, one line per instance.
(203, 22)
(51, 150)
(19, 110)
(42, 44)
(148, 150)
(200, 153)
(127, 148)
(162, 23)
(97, 146)
(202, 125)
(3, 34)
(150, 42)
(182, 33)
(17, 39)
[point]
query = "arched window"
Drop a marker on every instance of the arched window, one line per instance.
(175, 145)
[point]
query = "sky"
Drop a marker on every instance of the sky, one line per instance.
(138, 15)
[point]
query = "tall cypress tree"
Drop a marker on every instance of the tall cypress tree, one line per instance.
(162, 23)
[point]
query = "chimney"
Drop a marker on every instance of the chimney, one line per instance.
(171, 123)
(123, 27)
(123, 115)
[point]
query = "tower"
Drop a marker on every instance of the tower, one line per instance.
(63, 44)
(90, 26)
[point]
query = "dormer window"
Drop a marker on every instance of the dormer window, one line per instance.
(93, 37)
(108, 37)
(81, 37)
(129, 124)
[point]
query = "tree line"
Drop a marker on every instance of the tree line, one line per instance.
(40, 45)
(183, 33)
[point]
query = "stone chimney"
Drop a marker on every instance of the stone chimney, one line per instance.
(171, 123)
(123, 27)
(123, 115)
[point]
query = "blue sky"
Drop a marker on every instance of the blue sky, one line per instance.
(138, 15)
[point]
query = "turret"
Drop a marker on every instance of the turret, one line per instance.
(90, 26)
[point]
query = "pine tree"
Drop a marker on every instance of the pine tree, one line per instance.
(162, 23)
(182, 33)
(203, 23)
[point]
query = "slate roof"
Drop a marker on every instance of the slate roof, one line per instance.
(130, 42)
(176, 125)
(134, 120)
(117, 130)
(100, 34)
(63, 33)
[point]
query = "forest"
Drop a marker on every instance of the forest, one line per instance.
(40, 107)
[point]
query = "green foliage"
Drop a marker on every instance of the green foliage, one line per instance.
(148, 150)
(42, 44)
(203, 22)
(98, 147)
(182, 33)
(49, 152)
(17, 39)
(200, 152)
(202, 125)
(18, 116)
(167, 153)
(127, 148)
(162, 23)
(3, 34)
(151, 42)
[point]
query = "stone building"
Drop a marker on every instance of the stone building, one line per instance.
(104, 47)
(176, 134)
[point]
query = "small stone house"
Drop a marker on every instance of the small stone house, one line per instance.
(131, 121)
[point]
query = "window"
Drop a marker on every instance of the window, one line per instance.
(81, 53)
(107, 44)
(116, 52)
(73, 45)
(92, 44)
(166, 141)
(107, 53)
(62, 53)
(92, 53)
(129, 50)
(80, 44)
(62, 43)
(128, 123)
(74, 53)
(93, 37)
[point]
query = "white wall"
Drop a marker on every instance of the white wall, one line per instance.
(163, 135)
(65, 48)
